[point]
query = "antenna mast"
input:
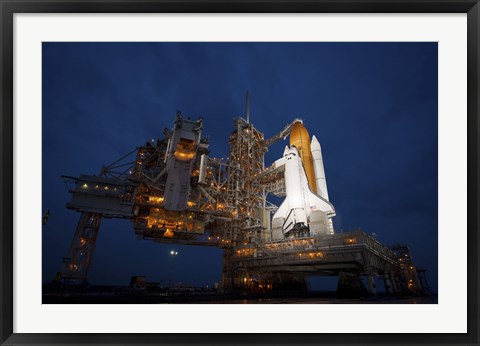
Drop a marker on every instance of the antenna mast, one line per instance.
(248, 109)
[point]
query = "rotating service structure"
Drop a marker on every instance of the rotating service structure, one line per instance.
(173, 191)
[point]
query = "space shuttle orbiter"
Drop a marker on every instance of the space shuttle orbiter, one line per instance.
(306, 209)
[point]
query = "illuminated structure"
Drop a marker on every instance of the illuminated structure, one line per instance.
(174, 192)
(303, 213)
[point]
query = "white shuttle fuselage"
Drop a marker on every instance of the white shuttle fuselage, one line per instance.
(303, 212)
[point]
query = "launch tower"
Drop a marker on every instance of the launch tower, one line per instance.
(173, 191)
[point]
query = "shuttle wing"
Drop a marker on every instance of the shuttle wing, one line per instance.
(283, 210)
(320, 204)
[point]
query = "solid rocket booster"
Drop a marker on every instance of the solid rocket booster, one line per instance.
(300, 138)
(319, 169)
(302, 211)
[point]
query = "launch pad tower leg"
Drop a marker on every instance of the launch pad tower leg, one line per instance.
(388, 283)
(228, 275)
(79, 258)
(372, 290)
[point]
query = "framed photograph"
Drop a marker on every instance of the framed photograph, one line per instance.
(239, 172)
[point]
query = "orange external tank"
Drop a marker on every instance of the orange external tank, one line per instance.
(300, 138)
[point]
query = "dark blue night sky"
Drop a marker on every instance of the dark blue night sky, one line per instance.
(373, 107)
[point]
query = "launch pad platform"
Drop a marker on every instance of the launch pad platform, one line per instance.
(174, 192)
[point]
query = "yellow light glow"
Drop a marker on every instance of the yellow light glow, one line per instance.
(184, 156)
(350, 241)
(168, 233)
(155, 199)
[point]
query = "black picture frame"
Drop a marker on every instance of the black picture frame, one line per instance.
(9, 7)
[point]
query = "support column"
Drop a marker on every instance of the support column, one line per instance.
(229, 275)
(393, 280)
(80, 255)
(372, 290)
(388, 283)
